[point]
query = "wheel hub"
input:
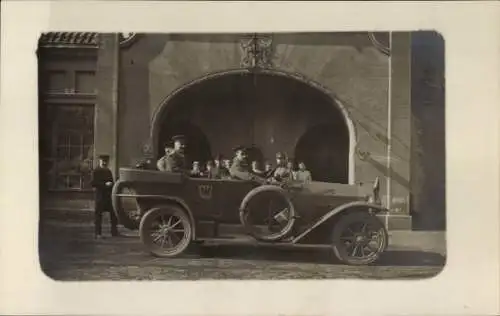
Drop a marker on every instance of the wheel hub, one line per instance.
(360, 238)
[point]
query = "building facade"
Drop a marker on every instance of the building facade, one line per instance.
(340, 102)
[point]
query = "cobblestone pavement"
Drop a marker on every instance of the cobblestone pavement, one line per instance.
(69, 252)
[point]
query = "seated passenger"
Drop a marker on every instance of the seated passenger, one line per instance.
(174, 159)
(281, 171)
(292, 173)
(239, 169)
(224, 169)
(218, 161)
(227, 164)
(303, 174)
(196, 171)
(211, 172)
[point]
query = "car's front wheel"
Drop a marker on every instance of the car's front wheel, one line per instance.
(359, 238)
(166, 231)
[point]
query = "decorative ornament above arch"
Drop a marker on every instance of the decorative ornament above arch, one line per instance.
(126, 39)
(256, 51)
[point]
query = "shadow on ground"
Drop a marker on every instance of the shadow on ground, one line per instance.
(319, 256)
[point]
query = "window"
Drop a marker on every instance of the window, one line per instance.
(57, 81)
(85, 82)
(68, 97)
(68, 146)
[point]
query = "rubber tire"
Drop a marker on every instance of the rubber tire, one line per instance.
(348, 219)
(266, 188)
(123, 219)
(151, 215)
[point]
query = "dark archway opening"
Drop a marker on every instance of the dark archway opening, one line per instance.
(198, 146)
(324, 149)
(266, 112)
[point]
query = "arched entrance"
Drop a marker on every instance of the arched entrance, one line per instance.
(269, 110)
(326, 162)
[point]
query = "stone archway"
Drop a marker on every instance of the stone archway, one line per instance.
(269, 109)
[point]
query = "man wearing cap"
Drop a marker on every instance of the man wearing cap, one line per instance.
(174, 159)
(281, 171)
(239, 169)
(102, 181)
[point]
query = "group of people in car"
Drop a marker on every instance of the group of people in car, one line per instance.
(285, 169)
(237, 168)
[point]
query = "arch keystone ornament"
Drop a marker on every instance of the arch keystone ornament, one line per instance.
(256, 51)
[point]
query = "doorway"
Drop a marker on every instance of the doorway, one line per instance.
(268, 111)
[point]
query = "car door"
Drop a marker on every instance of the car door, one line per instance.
(201, 196)
(227, 199)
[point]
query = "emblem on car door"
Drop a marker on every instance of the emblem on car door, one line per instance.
(205, 191)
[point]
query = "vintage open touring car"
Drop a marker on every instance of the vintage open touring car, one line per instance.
(173, 210)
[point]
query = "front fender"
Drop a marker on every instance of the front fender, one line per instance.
(174, 200)
(368, 207)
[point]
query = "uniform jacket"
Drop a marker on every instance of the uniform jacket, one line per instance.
(282, 173)
(102, 193)
(239, 170)
(213, 173)
(173, 162)
(303, 175)
(222, 173)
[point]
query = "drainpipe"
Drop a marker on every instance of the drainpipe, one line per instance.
(115, 102)
(389, 133)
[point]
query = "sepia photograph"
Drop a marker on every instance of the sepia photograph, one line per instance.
(249, 158)
(245, 156)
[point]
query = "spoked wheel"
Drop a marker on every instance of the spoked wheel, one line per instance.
(267, 213)
(359, 238)
(166, 231)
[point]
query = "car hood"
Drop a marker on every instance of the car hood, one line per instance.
(334, 189)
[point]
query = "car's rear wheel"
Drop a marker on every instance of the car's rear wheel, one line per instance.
(166, 231)
(359, 238)
(267, 213)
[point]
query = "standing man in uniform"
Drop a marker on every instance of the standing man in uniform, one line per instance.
(174, 160)
(102, 181)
